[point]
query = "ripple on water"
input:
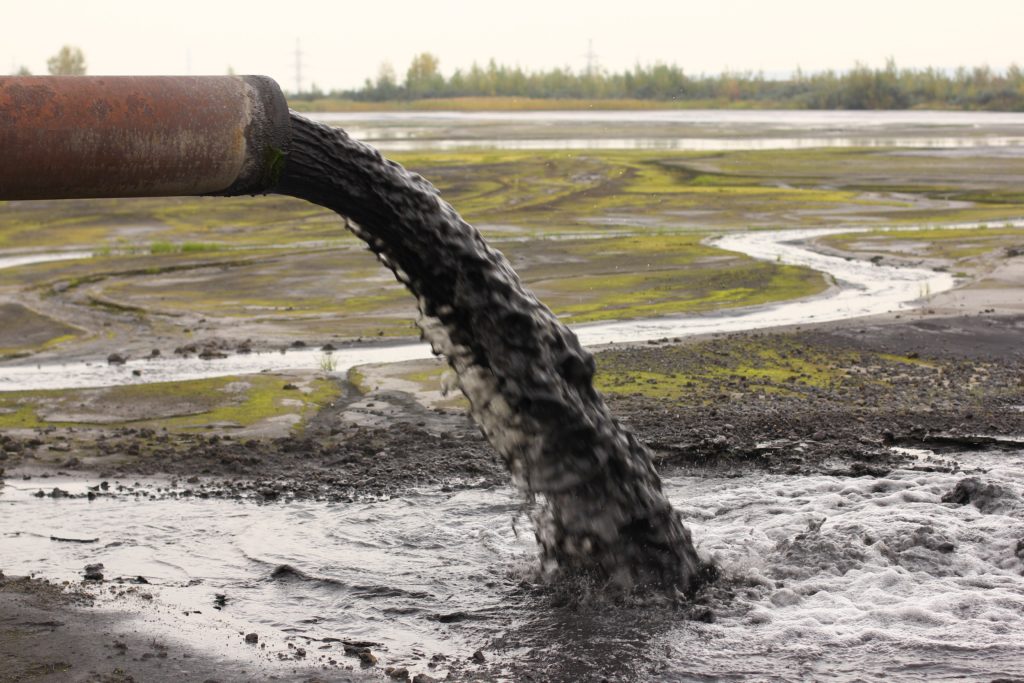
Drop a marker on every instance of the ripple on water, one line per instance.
(832, 578)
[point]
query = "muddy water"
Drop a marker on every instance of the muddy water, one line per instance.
(859, 289)
(831, 578)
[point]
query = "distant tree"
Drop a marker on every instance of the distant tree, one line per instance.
(22, 71)
(424, 79)
(231, 70)
(68, 62)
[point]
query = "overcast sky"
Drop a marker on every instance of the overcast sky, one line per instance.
(344, 41)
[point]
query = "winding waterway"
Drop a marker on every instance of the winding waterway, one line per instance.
(860, 288)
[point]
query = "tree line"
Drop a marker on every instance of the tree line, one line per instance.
(861, 87)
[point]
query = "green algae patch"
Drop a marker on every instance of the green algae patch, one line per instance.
(708, 371)
(663, 274)
(17, 412)
(233, 402)
(357, 379)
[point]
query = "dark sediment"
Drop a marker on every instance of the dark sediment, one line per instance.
(528, 380)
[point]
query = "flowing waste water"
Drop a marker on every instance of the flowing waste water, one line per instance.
(823, 577)
(528, 380)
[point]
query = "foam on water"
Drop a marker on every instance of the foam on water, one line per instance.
(832, 578)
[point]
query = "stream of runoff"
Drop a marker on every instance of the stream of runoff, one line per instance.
(832, 578)
(859, 288)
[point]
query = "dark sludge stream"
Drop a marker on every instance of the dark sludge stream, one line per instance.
(529, 382)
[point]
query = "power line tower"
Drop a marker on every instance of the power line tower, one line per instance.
(591, 57)
(298, 66)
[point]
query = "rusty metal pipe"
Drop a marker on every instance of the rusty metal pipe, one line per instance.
(132, 136)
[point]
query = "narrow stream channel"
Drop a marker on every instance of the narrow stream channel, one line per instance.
(860, 288)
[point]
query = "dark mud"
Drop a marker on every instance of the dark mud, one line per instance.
(852, 392)
(955, 384)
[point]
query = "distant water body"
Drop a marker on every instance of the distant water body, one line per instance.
(683, 130)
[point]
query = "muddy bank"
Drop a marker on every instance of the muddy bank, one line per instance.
(828, 398)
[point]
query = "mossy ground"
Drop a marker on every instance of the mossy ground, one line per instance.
(801, 366)
(224, 402)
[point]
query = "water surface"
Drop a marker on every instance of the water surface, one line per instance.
(833, 578)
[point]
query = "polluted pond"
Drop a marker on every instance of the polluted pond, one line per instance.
(914, 575)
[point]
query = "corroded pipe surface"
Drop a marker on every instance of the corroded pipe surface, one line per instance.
(132, 136)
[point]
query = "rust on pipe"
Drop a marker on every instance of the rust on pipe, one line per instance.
(133, 136)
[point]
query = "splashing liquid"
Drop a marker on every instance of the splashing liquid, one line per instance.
(601, 512)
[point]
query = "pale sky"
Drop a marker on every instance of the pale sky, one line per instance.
(344, 41)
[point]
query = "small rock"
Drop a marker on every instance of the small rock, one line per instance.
(367, 658)
(298, 344)
(116, 359)
(478, 657)
(137, 373)
(290, 387)
(397, 673)
(985, 497)
(252, 638)
(423, 678)
(819, 435)
(94, 572)
(702, 614)
(154, 353)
